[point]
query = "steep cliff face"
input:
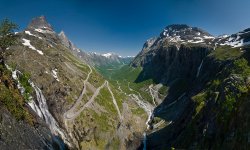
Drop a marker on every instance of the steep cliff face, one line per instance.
(211, 112)
(176, 53)
(19, 125)
(65, 41)
(169, 63)
(207, 88)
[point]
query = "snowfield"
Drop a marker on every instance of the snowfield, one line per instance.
(44, 30)
(29, 33)
(27, 43)
(54, 74)
(107, 55)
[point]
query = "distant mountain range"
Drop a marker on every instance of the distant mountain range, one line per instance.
(94, 58)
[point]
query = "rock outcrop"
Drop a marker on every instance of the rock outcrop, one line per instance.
(176, 53)
(40, 23)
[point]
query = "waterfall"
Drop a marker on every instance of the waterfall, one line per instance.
(144, 141)
(150, 118)
(42, 110)
(34, 106)
(199, 69)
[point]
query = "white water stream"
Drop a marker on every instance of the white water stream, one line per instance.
(42, 110)
(199, 69)
(144, 141)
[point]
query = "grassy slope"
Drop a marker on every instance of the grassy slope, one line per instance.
(126, 75)
(11, 98)
(226, 53)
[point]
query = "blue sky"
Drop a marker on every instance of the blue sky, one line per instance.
(122, 26)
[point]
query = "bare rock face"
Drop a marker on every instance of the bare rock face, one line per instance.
(13, 133)
(173, 35)
(185, 33)
(176, 53)
(40, 23)
(64, 39)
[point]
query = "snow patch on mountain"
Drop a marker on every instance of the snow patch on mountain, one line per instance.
(107, 55)
(236, 40)
(236, 43)
(27, 43)
(208, 37)
(180, 33)
(29, 33)
(54, 74)
(128, 57)
(43, 30)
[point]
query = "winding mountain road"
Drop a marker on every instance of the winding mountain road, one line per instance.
(72, 115)
(78, 101)
(151, 93)
(114, 101)
(134, 90)
(119, 87)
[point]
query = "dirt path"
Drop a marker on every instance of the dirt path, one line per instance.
(71, 115)
(119, 87)
(134, 90)
(152, 93)
(114, 101)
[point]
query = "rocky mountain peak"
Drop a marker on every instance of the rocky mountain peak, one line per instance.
(149, 42)
(147, 45)
(177, 26)
(239, 39)
(109, 55)
(64, 39)
(40, 23)
(172, 35)
(62, 34)
(67, 43)
(185, 34)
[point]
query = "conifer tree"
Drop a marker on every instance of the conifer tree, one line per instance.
(7, 36)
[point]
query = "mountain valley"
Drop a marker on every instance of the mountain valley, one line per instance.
(186, 89)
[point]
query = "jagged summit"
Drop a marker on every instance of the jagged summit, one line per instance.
(239, 39)
(184, 33)
(62, 33)
(177, 26)
(177, 34)
(40, 23)
(64, 39)
(67, 43)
